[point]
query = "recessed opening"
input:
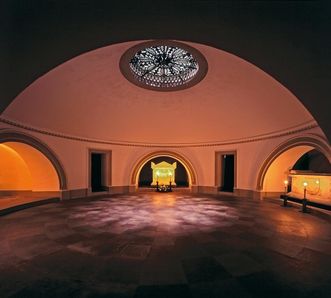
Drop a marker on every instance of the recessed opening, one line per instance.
(225, 170)
(179, 178)
(227, 177)
(26, 175)
(98, 172)
(298, 171)
(24, 168)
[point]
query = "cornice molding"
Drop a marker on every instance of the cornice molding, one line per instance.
(262, 137)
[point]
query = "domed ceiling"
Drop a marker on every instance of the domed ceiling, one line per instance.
(89, 97)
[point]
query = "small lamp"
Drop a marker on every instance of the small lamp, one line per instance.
(304, 201)
(286, 186)
(305, 184)
(285, 192)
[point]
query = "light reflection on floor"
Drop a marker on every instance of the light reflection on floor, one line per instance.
(178, 214)
(145, 244)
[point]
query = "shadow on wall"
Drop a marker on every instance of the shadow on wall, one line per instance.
(313, 161)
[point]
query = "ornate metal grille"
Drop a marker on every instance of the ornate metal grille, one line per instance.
(163, 66)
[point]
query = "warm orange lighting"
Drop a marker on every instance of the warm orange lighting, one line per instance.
(275, 175)
(286, 188)
(14, 172)
(316, 185)
(25, 168)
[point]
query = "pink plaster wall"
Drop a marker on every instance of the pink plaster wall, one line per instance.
(250, 156)
(88, 96)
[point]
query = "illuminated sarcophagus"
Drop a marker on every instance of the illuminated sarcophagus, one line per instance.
(163, 173)
(318, 186)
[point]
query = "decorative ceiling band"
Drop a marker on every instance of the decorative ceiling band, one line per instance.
(297, 129)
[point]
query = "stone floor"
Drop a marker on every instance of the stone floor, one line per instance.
(9, 202)
(165, 245)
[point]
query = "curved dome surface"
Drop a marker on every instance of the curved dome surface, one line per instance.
(89, 97)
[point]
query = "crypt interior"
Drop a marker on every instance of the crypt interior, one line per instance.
(165, 149)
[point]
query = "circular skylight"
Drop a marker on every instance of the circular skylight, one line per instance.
(164, 66)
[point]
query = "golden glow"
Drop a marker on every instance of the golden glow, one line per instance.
(192, 177)
(14, 172)
(278, 171)
(317, 186)
(23, 167)
(164, 201)
(286, 182)
(163, 173)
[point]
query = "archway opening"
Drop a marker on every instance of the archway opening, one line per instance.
(280, 168)
(163, 169)
(26, 172)
(174, 159)
(296, 167)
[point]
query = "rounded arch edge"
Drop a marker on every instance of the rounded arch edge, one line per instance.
(142, 161)
(8, 135)
(317, 142)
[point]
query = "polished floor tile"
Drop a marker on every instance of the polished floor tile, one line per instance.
(165, 245)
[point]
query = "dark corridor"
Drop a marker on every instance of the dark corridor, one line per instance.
(96, 172)
(227, 173)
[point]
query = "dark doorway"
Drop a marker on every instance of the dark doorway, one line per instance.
(227, 182)
(97, 172)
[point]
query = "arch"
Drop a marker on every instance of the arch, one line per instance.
(186, 163)
(312, 141)
(14, 136)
